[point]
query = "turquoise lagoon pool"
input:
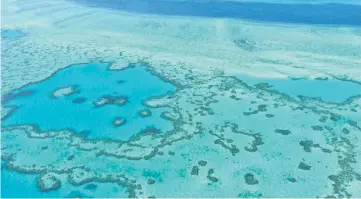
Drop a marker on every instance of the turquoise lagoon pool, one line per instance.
(328, 90)
(92, 100)
(11, 34)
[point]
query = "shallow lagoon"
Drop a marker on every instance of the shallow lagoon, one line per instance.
(90, 99)
(330, 90)
(11, 34)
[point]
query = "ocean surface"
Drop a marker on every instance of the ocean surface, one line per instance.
(328, 13)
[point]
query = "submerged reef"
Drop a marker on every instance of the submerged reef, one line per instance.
(106, 103)
(205, 132)
(62, 92)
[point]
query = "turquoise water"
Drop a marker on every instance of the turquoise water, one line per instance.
(18, 185)
(11, 34)
(42, 104)
(331, 90)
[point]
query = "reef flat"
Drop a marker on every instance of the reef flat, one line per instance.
(101, 102)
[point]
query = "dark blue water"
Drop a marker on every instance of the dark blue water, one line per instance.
(340, 14)
(37, 105)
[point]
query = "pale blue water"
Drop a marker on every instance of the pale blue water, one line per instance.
(11, 34)
(92, 81)
(341, 14)
(331, 90)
